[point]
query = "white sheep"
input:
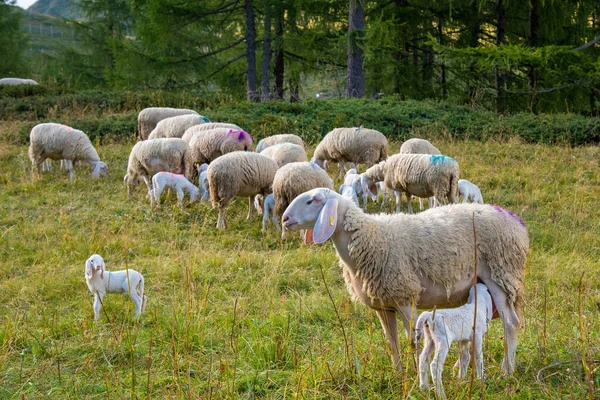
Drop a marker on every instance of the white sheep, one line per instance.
(179, 183)
(149, 117)
(203, 180)
(285, 153)
(420, 146)
(239, 173)
(176, 126)
(354, 145)
(17, 81)
(403, 262)
(441, 328)
(275, 139)
(356, 181)
(349, 193)
(151, 156)
(265, 207)
(61, 142)
(100, 282)
(469, 191)
(196, 129)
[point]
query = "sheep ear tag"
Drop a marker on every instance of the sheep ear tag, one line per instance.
(327, 221)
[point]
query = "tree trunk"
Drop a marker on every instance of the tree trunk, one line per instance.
(278, 48)
(534, 35)
(399, 55)
(443, 64)
(355, 86)
(500, 37)
(250, 52)
(266, 61)
(473, 41)
(293, 73)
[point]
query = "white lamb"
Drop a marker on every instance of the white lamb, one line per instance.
(177, 182)
(113, 282)
(265, 207)
(469, 191)
(349, 193)
(441, 328)
(203, 181)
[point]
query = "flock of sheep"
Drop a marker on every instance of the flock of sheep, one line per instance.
(393, 263)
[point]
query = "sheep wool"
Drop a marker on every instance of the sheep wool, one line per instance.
(192, 131)
(285, 153)
(295, 178)
(275, 139)
(213, 143)
(149, 117)
(418, 146)
(17, 81)
(176, 126)
(355, 145)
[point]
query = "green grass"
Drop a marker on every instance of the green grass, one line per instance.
(241, 314)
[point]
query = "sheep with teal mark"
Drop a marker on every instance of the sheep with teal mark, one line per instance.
(420, 146)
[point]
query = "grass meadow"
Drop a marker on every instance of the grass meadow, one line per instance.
(239, 314)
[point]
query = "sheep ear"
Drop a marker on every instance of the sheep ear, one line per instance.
(102, 269)
(88, 268)
(308, 236)
(327, 221)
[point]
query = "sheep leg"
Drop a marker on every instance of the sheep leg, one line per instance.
(509, 317)
(137, 300)
(97, 304)
(155, 195)
(222, 222)
(250, 206)
(463, 358)
(408, 200)
(265, 219)
(421, 205)
(424, 360)
(390, 328)
(276, 222)
(479, 355)
(148, 183)
(180, 196)
(437, 367)
(398, 195)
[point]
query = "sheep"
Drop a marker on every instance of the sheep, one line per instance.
(149, 117)
(356, 145)
(469, 191)
(239, 173)
(265, 207)
(179, 183)
(116, 282)
(398, 263)
(349, 193)
(176, 126)
(193, 130)
(213, 143)
(420, 146)
(285, 153)
(420, 175)
(441, 328)
(355, 180)
(156, 155)
(61, 142)
(203, 180)
(17, 81)
(275, 139)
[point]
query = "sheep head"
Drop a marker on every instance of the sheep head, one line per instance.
(316, 211)
(94, 263)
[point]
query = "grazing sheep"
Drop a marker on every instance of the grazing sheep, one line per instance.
(239, 173)
(203, 181)
(420, 175)
(61, 142)
(285, 153)
(176, 126)
(177, 182)
(17, 81)
(418, 146)
(126, 281)
(211, 144)
(356, 181)
(156, 155)
(265, 207)
(193, 130)
(355, 145)
(441, 328)
(149, 117)
(398, 263)
(275, 139)
(469, 191)
(349, 193)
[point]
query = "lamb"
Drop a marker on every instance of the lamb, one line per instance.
(398, 263)
(355, 145)
(61, 142)
(203, 181)
(239, 173)
(285, 153)
(213, 143)
(275, 139)
(441, 328)
(193, 130)
(176, 126)
(177, 182)
(156, 155)
(349, 193)
(469, 191)
(149, 117)
(116, 282)
(356, 181)
(420, 146)
(17, 81)
(265, 207)
(420, 175)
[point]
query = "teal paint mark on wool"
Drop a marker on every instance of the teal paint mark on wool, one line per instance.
(437, 159)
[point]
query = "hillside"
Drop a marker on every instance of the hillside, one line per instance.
(57, 8)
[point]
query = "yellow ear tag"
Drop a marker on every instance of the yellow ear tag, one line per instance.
(331, 220)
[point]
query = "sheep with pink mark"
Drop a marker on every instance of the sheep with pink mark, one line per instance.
(209, 145)
(396, 264)
(196, 129)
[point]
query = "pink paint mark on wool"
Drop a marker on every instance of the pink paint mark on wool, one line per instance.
(242, 135)
(510, 213)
